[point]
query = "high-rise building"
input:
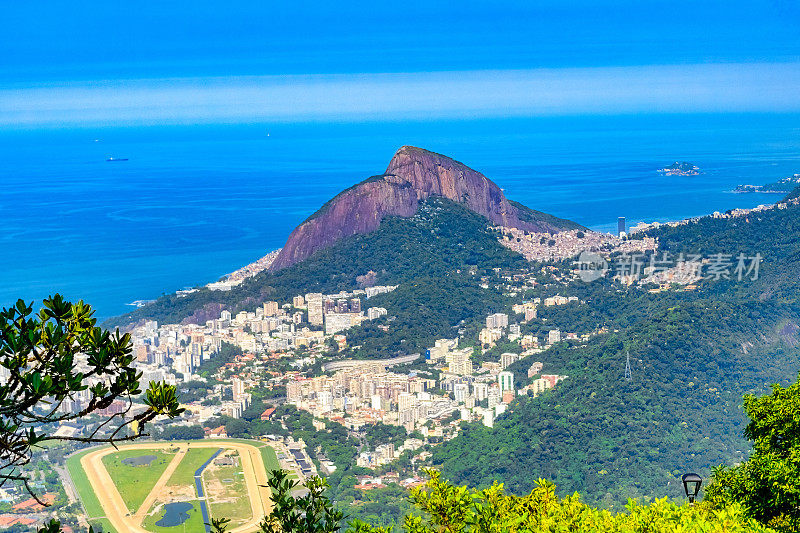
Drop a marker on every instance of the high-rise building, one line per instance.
(553, 336)
(506, 380)
(238, 389)
(493, 398)
(294, 391)
(375, 312)
(459, 361)
(621, 226)
(405, 400)
(481, 391)
(314, 304)
(508, 359)
(539, 385)
(375, 402)
(461, 391)
(160, 358)
(325, 401)
(355, 305)
(141, 352)
(270, 308)
(336, 322)
(497, 320)
(298, 301)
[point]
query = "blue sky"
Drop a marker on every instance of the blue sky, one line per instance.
(70, 63)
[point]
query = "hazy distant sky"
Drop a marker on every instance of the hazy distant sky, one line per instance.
(67, 63)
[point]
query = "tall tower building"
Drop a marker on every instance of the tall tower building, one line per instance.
(621, 229)
(506, 381)
(270, 308)
(237, 389)
(314, 300)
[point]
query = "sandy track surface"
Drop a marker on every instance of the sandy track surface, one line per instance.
(114, 506)
(138, 518)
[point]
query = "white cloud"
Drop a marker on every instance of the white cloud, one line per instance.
(502, 93)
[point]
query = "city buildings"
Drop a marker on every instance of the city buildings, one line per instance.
(508, 359)
(497, 320)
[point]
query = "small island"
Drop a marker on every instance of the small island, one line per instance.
(680, 168)
(782, 186)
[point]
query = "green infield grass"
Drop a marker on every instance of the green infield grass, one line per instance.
(135, 473)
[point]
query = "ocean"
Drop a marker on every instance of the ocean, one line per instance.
(193, 203)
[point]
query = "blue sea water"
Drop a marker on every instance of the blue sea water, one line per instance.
(193, 203)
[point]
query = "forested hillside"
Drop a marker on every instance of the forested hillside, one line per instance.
(693, 356)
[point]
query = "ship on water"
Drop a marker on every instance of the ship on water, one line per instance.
(116, 159)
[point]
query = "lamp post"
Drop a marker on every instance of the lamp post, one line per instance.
(691, 484)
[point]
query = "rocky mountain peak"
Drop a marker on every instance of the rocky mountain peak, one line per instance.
(414, 174)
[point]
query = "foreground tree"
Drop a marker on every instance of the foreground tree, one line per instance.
(456, 509)
(767, 484)
(312, 512)
(453, 509)
(50, 356)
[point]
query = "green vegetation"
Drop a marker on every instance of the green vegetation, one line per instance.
(227, 353)
(448, 508)
(451, 508)
(178, 433)
(270, 458)
(134, 483)
(226, 490)
(768, 483)
(760, 495)
(614, 439)
(381, 507)
(194, 459)
(81, 481)
(694, 354)
(380, 433)
(38, 352)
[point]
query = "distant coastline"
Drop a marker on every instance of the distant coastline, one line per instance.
(782, 186)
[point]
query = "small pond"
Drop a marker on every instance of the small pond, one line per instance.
(139, 460)
(175, 514)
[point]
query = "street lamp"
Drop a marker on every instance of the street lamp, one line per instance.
(691, 484)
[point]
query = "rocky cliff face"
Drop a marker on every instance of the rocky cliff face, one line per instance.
(413, 175)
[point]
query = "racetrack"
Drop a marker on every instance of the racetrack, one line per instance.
(255, 476)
